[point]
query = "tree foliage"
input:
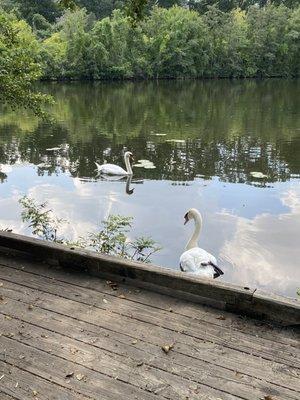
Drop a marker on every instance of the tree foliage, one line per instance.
(19, 64)
(176, 43)
(62, 40)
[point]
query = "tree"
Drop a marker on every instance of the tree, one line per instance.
(49, 9)
(110, 47)
(176, 42)
(267, 33)
(19, 64)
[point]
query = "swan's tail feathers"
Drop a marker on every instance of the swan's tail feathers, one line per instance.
(217, 270)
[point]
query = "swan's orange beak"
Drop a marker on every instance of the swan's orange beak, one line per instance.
(186, 219)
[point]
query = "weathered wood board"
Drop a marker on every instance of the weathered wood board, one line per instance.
(247, 301)
(65, 334)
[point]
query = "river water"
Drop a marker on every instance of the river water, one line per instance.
(207, 140)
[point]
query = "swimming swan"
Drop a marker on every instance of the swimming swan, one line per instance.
(196, 260)
(112, 169)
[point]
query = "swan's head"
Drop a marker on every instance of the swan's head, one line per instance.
(192, 214)
(128, 155)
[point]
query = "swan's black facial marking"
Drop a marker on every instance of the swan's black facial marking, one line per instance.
(186, 218)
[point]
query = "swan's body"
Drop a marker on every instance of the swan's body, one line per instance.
(112, 169)
(196, 260)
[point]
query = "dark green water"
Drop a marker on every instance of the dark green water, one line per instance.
(205, 138)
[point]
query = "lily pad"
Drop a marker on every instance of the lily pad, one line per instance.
(53, 149)
(258, 175)
(176, 140)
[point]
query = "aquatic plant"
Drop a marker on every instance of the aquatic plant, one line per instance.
(112, 237)
(43, 222)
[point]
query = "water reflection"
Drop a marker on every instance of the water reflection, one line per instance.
(205, 139)
(128, 183)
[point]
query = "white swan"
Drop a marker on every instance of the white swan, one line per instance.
(112, 169)
(195, 260)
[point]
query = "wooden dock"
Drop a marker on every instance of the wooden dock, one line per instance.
(93, 327)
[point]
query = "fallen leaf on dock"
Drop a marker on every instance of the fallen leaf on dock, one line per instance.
(79, 377)
(69, 374)
(167, 347)
(112, 285)
(34, 392)
(140, 363)
(134, 341)
(221, 317)
(30, 307)
(105, 301)
(122, 296)
(268, 397)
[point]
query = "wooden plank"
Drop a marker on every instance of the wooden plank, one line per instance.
(152, 374)
(188, 326)
(87, 324)
(226, 320)
(95, 384)
(198, 373)
(231, 297)
(21, 385)
(54, 369)
(4, 396)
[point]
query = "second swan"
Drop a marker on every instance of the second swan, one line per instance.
(196, 260)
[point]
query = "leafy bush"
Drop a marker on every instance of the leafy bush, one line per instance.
(112, 239)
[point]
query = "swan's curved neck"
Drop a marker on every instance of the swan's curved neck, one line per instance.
(193, 242)
(128, 166)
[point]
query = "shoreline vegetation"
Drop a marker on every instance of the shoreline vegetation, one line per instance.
(175, 39)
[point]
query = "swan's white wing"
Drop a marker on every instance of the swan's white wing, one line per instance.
(111, 169)
(198, 261)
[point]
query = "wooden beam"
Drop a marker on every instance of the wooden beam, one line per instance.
(247, 301)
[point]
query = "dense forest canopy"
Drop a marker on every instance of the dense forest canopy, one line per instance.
(96, 39)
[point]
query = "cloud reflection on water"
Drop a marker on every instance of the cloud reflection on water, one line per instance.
(264, 251)
(256, 242)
